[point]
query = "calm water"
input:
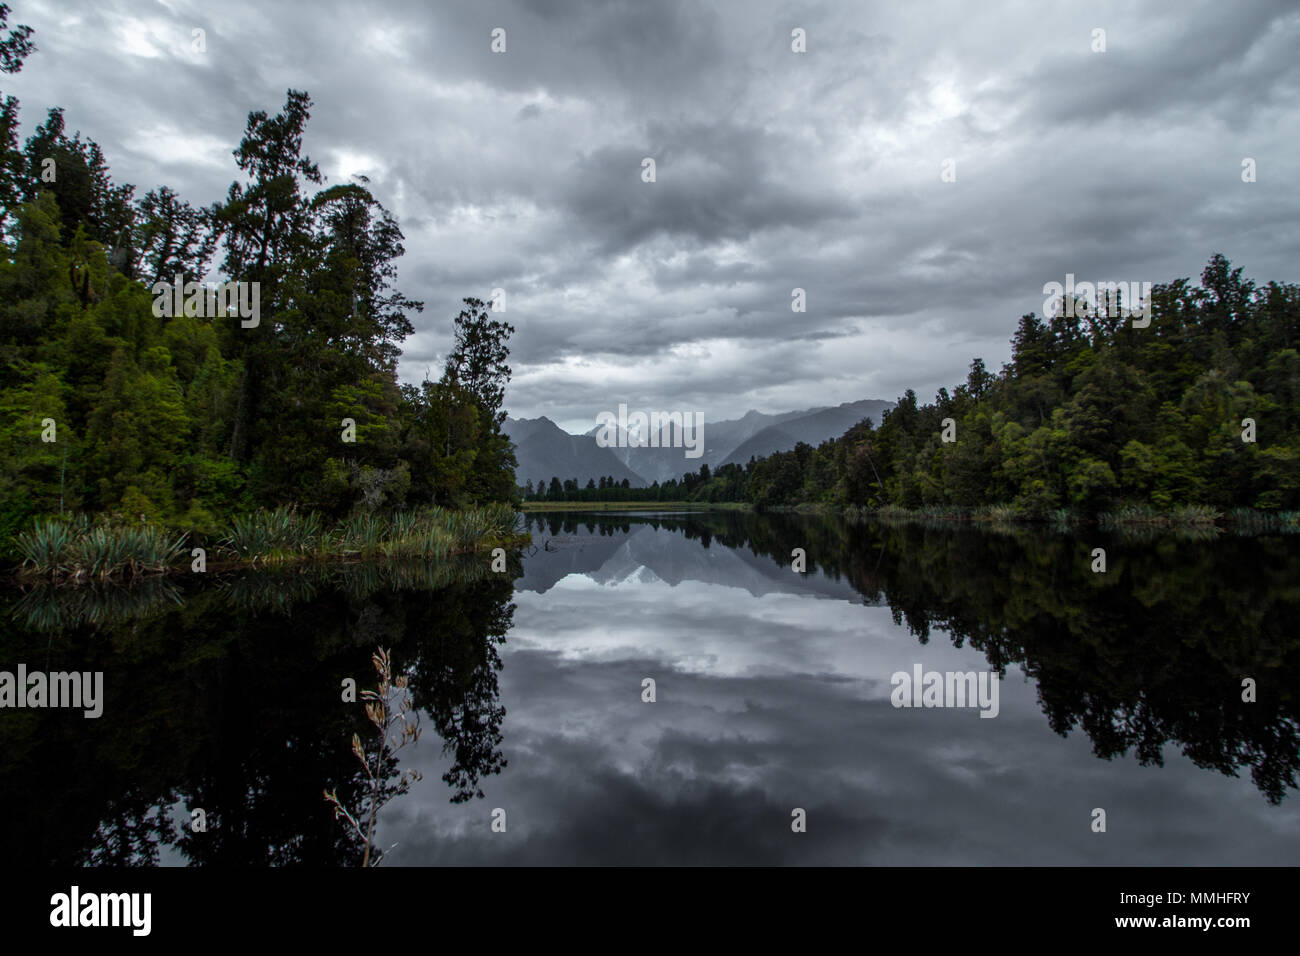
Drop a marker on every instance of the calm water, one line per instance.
(1119, 691)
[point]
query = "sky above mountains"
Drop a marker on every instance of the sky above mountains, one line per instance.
(820, 170)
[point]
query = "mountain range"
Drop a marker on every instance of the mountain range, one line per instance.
(544, 450)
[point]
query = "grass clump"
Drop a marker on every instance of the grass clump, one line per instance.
(273, 535)
(76, 548)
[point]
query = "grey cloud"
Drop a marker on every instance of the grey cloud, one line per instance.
(775, 169)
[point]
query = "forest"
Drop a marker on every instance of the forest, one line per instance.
(110, 406)
(1199, 410)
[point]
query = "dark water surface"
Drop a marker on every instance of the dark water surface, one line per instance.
(1120, 691)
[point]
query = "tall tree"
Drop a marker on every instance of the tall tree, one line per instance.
(477, 363)
(265, 225)
(359, 243)
(15, 47)
(476, 371)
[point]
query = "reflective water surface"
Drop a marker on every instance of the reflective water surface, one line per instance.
(1120, 691)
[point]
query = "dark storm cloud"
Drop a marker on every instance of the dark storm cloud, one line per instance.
(775, 170)
(711, 185)
(1193, 59)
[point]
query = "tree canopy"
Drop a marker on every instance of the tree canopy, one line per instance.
(191, 417)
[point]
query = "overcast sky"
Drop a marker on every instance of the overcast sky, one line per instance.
(820, 170)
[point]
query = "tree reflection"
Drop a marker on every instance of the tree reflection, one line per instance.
(228, 700)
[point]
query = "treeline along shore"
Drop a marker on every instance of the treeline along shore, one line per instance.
(174, 375)
(1190, 415)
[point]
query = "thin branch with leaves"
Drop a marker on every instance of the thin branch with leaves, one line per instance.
(389, 705)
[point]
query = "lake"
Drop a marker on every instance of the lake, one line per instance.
(774, 702)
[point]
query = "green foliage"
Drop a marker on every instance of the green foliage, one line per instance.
(78, 548)
(285, 533)
(1114, 416)
(280, 532)
(193, 420)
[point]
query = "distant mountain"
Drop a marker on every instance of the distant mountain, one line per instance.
(544, 449)
(736, 439)
(661, 464)
(813, 427)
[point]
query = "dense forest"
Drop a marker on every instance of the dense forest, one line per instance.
(1199, 408)
(114, 402)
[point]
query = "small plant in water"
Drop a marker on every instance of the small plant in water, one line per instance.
(386, 707)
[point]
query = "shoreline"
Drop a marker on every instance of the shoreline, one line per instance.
(1187, 516)
(542, 506)
(79, 549)
(22, 575)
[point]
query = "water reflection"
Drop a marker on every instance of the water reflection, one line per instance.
(773, 694)
(227, 698)
(1151, 652)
